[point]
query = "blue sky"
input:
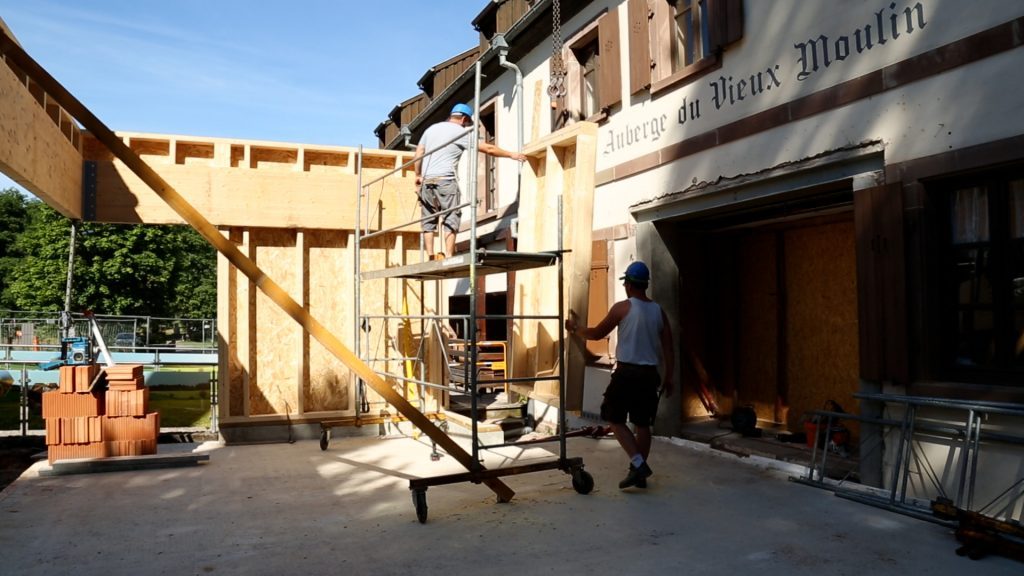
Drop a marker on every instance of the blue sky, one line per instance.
(307, 71)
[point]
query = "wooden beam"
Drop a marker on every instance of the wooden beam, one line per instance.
(252, 184)
(245, 265)
(36, 154)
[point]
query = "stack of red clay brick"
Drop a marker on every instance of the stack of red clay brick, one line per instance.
(83, 421)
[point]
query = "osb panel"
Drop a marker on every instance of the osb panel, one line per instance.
(272, 362)
(329, 270)
(387, 340)
(821, 323)
(757, 338)
(273, 385)
(377, 335)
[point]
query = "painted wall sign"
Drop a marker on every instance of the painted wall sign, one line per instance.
(810, 57)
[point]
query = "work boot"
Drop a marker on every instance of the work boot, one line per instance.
(636, 477)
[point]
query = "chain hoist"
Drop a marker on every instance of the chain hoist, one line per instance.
(556, 86)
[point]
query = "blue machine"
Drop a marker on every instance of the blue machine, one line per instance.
(75, 351)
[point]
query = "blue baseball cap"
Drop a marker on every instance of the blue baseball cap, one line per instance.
(463, 109)
(637, 272)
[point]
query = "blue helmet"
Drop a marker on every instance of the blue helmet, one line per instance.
(637, 273)
(463, 109)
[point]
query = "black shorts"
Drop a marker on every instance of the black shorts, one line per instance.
(633, 394)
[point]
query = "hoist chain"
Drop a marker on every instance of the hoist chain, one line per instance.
(556, 87)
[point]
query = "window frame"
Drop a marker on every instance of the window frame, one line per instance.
(652, 38)
(488, 175)
(1004, 366)
(599, 38)
(664, 32)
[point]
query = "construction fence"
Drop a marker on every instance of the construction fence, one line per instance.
(128, 333)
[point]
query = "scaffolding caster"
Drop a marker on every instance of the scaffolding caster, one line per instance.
(419, 500)
(325, 439)
(582, 481)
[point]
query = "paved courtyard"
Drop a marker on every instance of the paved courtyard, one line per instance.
(294, 509)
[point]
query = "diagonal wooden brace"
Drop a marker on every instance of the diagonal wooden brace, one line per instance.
(11, 50)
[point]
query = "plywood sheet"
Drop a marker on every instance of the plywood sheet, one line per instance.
(329, 270)
(821, 325)
(272, 367)
(273, 386)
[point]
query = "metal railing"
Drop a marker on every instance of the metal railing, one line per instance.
(39, 328)
(29, 339)
(967, 430)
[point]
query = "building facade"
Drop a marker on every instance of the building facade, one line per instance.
(830, 194)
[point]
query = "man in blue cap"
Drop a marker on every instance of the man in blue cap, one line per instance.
(635, 386)
(436, 173)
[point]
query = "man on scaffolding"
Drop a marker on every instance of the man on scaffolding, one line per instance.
(436, 174)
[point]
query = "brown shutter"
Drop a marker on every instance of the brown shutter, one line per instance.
(639, 46)
(661, 28)
(881, 283)
(727, 21)
(598, 304)
(610, 73)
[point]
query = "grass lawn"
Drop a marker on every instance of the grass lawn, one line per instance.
(181, 408)
(178, 408)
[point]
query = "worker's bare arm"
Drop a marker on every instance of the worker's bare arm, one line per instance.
(615, 315)
(492, 150)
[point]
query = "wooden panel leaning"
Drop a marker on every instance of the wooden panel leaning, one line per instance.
(561, 164)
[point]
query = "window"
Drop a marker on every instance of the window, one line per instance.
(593, 84)
(589, 93)
(983, 268)
(674, 41)
(487, 178)
(691, 37)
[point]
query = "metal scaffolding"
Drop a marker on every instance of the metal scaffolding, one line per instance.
(471, 266)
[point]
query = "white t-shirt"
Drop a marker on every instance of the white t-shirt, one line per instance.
(443, 162)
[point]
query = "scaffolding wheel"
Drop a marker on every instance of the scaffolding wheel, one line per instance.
(419, 500)
(582, 481)
(324, 440)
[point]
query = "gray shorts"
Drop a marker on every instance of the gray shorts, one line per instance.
(437, 196)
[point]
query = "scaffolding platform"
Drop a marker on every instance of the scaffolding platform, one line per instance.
(458, 266)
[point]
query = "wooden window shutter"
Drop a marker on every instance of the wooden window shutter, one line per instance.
(639, 46)
(662, 30)
(610, 72)
(881, 283)
(727, 21)
(598, 304)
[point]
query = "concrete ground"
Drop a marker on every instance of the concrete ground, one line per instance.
(281, 509)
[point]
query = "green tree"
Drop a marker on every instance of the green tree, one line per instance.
(37, 280)
(119, 269)
(13, 220)
(194, 278)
